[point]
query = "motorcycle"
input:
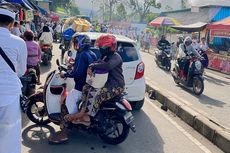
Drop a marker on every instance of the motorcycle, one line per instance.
(57, 37)
(46, 54)
(44, 107)
(163, 57)
(204, 62)
(194, 78)
(28, 81)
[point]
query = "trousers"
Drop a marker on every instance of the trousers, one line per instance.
(10, 127)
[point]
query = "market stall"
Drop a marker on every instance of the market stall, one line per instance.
(220, 58)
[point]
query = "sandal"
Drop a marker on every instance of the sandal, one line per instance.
(58, 138)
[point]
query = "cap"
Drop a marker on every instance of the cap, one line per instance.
(6, 12)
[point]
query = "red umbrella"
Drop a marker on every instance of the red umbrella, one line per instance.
(54, 17)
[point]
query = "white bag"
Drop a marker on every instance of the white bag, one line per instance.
(98, 79)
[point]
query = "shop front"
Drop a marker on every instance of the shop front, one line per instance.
(219, 59)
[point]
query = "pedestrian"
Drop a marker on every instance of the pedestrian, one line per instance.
(16, 29)
(12, 66)
(22, 27)
(147, 40)
(34, 53)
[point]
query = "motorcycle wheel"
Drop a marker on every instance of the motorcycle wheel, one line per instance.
(116, 130)
(198, 85)
(45, 60)
(36, 111)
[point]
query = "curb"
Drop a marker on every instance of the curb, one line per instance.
(215, 133)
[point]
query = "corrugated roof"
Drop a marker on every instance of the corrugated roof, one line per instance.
(189, 9)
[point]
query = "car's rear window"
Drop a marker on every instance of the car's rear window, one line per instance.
(127, 51)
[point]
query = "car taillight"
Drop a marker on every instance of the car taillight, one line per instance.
(140, 71)
(127, 104)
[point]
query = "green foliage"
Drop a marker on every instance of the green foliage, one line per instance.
(121, 12)
(65, 6)
(143, 8)
(150, 16)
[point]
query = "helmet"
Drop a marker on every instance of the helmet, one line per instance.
(82, 41)
(107, 41)
(188, 41)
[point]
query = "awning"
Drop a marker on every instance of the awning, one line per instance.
(196, 27)
(222, 24)
(24, 3)
(42, 10)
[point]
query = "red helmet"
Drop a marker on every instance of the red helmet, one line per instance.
(107, 41)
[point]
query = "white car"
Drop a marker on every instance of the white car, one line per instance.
(133, 67)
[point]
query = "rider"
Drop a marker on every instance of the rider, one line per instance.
(163, 42)
(186, 49)
(83, 59)
(110, 61)
(46, 37)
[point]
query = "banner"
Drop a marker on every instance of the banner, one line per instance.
(219, 62)
(224, 33)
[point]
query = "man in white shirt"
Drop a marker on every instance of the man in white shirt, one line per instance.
(10, 84)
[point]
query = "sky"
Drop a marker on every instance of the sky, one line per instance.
(86, 5)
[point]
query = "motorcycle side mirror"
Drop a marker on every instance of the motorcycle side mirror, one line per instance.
(57, 62)
(70, 53)
(61, 46)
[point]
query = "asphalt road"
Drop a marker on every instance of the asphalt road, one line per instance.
(157, 132)
(214, 102)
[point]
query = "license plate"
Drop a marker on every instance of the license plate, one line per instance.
(128, 118)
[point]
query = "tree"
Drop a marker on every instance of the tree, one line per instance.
(168, 8)
(184, 4)
(150, 16)
(143, 7)
(121, 12)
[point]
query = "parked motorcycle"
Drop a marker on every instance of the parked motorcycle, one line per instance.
(194, 78)
(112, 122)
(46, 54)
(29, 81)
(163, 57)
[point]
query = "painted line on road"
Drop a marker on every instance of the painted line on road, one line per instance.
(189, 136)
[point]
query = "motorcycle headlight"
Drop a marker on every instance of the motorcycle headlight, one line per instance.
(198, 65)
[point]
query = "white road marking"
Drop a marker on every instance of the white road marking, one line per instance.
(189, 136)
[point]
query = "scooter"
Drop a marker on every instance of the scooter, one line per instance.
(46, 54)
(194, 78)
(29, 81)
(163, 57)
(44, 107)
(205, 60)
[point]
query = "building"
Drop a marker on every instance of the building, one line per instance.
(208, 14)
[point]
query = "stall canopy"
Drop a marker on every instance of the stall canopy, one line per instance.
(24, 3)
(220, 28)
(42, 10)
(222, 24)
(196, 27)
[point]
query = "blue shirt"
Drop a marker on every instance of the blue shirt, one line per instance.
(82, 62)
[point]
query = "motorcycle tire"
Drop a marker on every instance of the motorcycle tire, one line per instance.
(45, 61)
(197, 80)
(43, 113)
(176, 80)
(123, 134)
